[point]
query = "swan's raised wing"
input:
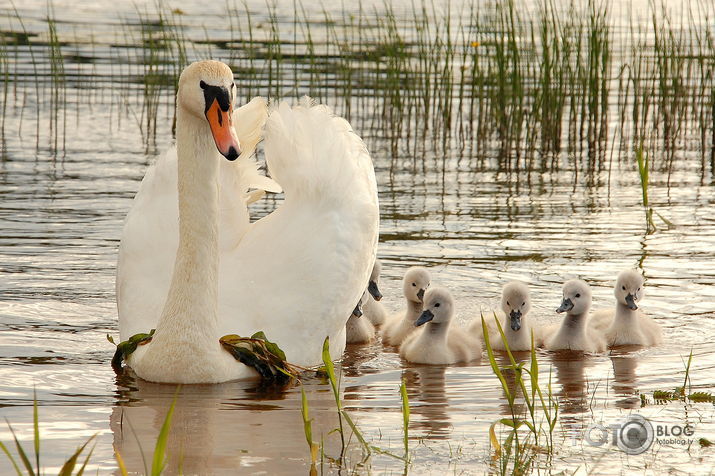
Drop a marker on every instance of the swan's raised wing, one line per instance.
(298, 272)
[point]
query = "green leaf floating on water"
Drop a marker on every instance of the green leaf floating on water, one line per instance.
(261, 354)
(127, 347)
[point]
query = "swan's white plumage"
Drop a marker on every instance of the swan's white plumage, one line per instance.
(150, 236)
(398, 326)
(295, 274)
(574, 333)
(440, 341)
(623, 325)
(299, 271)
(373, 309)
(515, 298)
(359, 329)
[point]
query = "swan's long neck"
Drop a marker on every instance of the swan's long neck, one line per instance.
(190, 315)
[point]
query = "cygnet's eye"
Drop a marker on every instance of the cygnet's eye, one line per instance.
(578, 295)
(507, 303)
(436, 304)
(414, 284)
(624, 288)
(639, 289)
(523, 303)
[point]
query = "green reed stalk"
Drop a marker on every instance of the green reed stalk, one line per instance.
(643, 161)
(405, 419)
(308, 427)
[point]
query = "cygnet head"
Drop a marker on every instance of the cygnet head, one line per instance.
(374, 280)
(577, 297)
(415, 283)
(629, 288)
(357, 312)
(515, 303)
(207, 92)
(438, 307)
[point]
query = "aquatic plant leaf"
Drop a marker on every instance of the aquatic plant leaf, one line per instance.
(493, 438)
(21, 451)
(704, 442)
(308, 426)
(86, 460)
(69, 465)
(127, 348)
(701, 397)
(9, 456)
(159, 461)
(405, 418)
(120, 463)
(262, 355)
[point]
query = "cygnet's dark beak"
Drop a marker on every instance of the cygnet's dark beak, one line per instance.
(515, 320)
(631, 302)
(374, 291)
(566, 305)
(357, 312)
(421, 294)
(426, 316)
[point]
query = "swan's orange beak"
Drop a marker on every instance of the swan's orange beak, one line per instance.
(221, 124)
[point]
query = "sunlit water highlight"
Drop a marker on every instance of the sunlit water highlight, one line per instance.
(475, 227)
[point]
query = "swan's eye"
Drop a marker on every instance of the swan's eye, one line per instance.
(202, 84)
(623, 287)
(436, 305)
(414, 284)
(578, 295)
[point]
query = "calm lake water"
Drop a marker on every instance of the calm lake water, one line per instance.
(67, 183)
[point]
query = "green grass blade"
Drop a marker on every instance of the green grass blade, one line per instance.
(308, 427)
(405, 419)
(159, 460)
(492, 361)
(21, 452)
(356, 431)
(86, 460)
(12, 460)
(69, 465)
(36, 429)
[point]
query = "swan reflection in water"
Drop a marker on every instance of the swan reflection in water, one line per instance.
(220, 429)
(625, 380)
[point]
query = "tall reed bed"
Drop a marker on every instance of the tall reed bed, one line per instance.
(530, 84)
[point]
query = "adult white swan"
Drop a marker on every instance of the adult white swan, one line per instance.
(296, 274)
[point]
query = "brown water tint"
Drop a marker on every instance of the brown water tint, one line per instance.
(475, 222)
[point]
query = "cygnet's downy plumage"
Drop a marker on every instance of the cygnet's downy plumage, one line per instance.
(573, 333)
(626, 324)
(515, 306)
(439, 342)
(373, 310)
(359, 329)
(402, 324)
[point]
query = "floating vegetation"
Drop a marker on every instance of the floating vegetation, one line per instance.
(127, 348)
(262, 355)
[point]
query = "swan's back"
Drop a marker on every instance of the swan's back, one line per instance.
(299, 271)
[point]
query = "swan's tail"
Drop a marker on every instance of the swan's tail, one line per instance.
(309, 150)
